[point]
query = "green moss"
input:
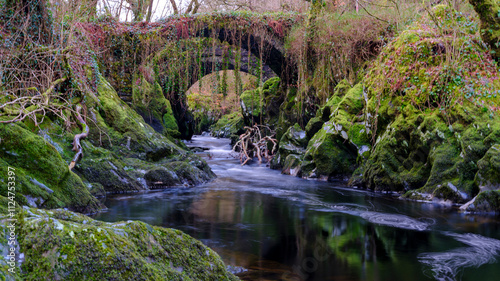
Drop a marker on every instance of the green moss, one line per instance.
(169, 122)
(41, 173)
(490, 31)
(251, 103)
(425, 68)
(486, 201)
(193, 172)
(161, 177)
(125, 129)
(488, 175)
(331, 157)
(228, 125)
(292, 165)
(292, 142)
(149, 101)
(63, 245)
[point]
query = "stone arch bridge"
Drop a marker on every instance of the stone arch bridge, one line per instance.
(180, 50)
(256, 43)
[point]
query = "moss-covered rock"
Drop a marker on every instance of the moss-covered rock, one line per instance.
(292, 165)
(334, 149)
(328, 156)
(485, 201)
(161, 177)
(432, 121)
(61, 245)
(122, 130)
(192, 173)
(488, 174)
(149, 101)
(263, 102)
(118, 175)
(251, 103)
(42, 177)
(490, 23)
(292, 142)
(228, 126)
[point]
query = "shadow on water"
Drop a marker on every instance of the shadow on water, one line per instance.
(267, 226)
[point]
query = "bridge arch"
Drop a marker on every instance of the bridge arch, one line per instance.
(181, 49)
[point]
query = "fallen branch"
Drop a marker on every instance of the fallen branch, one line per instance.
(25, 105)
(77, 147)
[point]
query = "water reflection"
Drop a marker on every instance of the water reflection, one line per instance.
(283, 228)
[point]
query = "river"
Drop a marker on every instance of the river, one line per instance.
(268, 226)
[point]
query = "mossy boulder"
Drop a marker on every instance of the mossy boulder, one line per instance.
(118, 174)
(228, 126)
(161, 177)
(149, 101)
(333, 151)
(42, 177)
(61, 245)
(432, 121)
(292, 142)
(485, 201)
(328, 156)
(488, 174)
(490, 23)
(193, 172)
(263, 102)
(251, 104)
(122, 130)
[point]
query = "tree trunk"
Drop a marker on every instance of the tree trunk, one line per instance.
(488, 11)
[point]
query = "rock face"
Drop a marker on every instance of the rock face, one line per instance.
(334, 149)
(61, 245)
(119, 152)
(229, 126)
(148, 100)
(414, 124)
(42, 176)
(263, 102)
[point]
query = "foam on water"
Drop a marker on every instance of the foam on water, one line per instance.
(447, 265)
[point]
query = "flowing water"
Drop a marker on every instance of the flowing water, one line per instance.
(268, 226)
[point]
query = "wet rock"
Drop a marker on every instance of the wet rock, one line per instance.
(334, 149)
(488, 174)
(485, 201)
(293, 142)
(161, 177)
(228, 126)
(292, 165)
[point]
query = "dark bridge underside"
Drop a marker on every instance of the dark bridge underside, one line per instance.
(271, 49)
(216, 59)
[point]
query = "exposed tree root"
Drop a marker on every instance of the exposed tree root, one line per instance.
(251, 144)
(76, 141)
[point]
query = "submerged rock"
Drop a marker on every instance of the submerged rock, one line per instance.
(61, 245)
